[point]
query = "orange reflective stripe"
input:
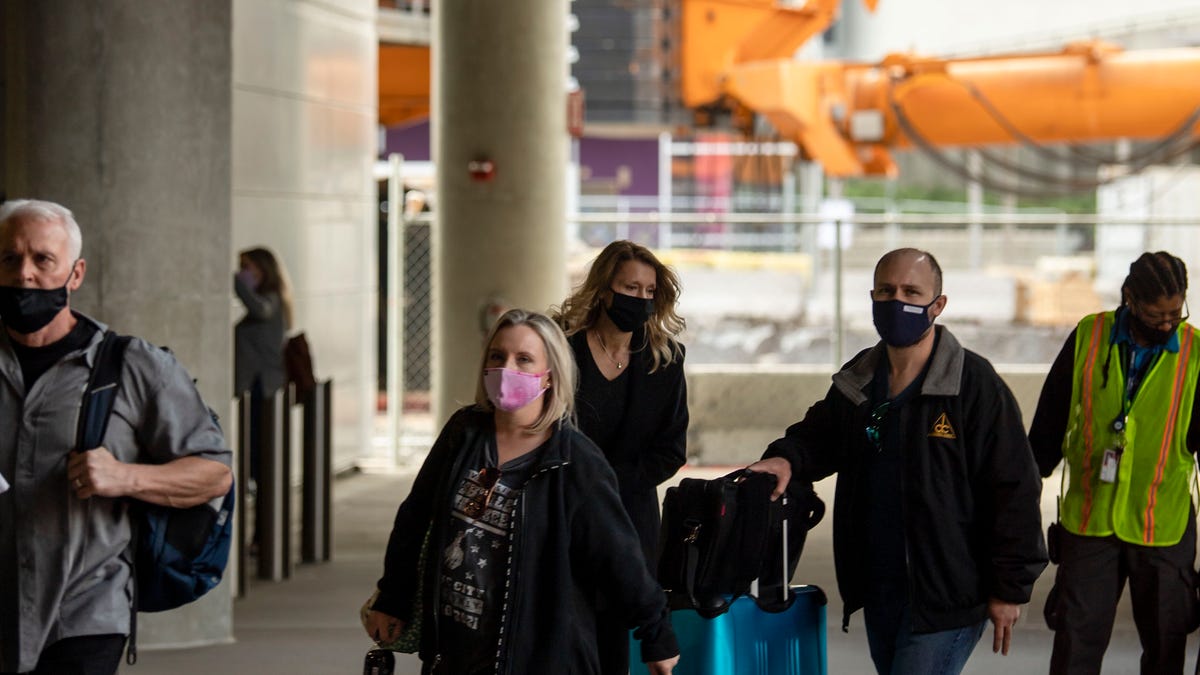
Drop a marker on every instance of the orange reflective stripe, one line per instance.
(1168, 434)
(1088, 434)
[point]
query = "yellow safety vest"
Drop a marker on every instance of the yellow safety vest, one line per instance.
(1148, 503)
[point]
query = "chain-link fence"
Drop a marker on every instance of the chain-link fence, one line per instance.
(418, 313)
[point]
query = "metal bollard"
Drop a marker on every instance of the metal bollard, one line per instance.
(243, 479)
(273, 505)
(316, 516)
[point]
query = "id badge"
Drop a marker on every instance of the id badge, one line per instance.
(1108, 470)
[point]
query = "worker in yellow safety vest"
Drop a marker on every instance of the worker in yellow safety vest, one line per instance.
(1117, 406)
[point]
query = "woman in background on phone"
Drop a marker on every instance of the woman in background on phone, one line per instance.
(262, 286)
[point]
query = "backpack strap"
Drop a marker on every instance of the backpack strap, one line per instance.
(96, 409)
(722, 509)
(691, 560)
(101, 391)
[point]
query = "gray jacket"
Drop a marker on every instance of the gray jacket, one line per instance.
(61, 558)
(258, 341)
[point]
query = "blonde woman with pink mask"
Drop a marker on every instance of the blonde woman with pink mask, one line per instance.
(522, 527)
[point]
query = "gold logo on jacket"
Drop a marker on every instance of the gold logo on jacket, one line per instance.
(942, 428)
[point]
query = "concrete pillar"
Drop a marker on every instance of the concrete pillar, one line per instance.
(499, 95)
(121, 111)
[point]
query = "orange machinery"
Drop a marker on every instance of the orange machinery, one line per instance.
(737, 55)
(404, 83)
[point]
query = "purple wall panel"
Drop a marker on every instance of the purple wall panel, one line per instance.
(601, 158)
(605, 156)
(412, 141)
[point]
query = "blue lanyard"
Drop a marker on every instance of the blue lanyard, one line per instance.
(1133, 381)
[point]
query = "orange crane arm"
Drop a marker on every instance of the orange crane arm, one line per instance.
(718, 34)
(849, 116)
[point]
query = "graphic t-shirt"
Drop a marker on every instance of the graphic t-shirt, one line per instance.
(474, 565)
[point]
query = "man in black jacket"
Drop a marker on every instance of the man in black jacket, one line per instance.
(937, 525)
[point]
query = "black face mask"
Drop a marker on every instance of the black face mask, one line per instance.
(899, 323)
(628, 312)
(28, 310)
(1151, 334)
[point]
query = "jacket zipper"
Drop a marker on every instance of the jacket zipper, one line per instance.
(513, 575)
(908, 573)
(510, 584)
(855, 489)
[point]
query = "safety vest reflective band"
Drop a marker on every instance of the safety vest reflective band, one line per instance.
(1148, 503)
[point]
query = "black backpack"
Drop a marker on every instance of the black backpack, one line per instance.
(179, 554)
(719, 536)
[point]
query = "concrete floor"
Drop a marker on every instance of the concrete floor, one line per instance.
(310, 625)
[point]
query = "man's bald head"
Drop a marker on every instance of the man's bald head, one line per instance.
(912, 256)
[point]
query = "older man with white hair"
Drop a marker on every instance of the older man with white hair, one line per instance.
(64, 524)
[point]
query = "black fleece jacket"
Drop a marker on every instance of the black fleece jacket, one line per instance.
(651, 444)
(972, 521)
(572, 543)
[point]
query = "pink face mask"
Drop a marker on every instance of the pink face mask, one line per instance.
(511, 390)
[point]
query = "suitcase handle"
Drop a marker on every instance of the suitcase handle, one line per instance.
(784, 584)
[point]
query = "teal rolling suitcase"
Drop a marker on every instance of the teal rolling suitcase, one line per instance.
(747, 640)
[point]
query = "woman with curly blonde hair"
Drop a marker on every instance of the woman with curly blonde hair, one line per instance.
(623, 327)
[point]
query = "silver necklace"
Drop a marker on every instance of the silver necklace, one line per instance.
(604, 348)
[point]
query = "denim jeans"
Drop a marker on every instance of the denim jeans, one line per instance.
(896, 650)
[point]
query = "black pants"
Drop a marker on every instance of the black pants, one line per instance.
(84, 655)
(1091, 577)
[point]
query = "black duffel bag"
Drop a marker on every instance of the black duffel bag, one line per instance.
(719, 536)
